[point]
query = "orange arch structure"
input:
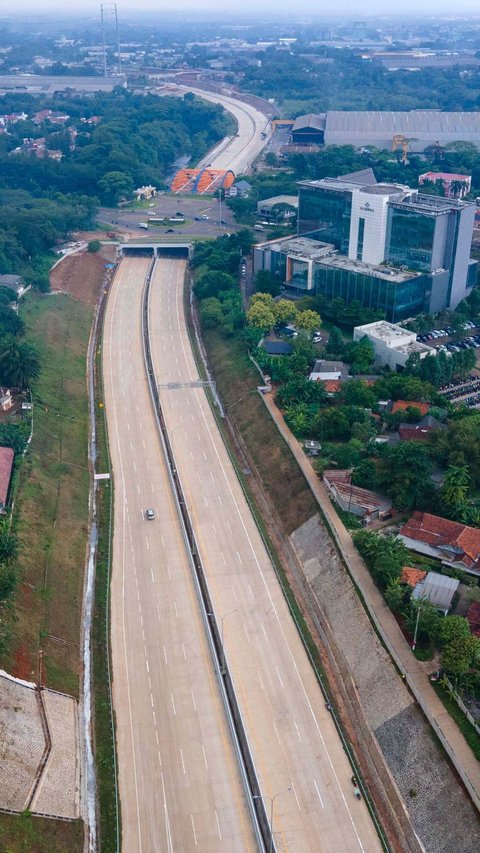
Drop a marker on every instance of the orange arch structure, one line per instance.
(201, 181)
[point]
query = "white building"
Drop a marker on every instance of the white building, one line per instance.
(392, 344)
(368, 222)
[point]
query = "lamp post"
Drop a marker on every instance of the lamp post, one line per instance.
(222, 619)
(272, 802)
(414, 644)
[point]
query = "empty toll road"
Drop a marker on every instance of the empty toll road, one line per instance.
(179, 783)
(293, 741)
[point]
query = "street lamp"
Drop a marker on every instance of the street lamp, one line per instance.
(223, 668)
(272, 801)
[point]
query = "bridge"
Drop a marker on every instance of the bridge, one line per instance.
(167, 249)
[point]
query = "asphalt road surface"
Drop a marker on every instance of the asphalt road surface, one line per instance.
(245, 147)
(297, 753)
(179, 782)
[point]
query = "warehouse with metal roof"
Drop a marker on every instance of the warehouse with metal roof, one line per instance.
(420, 128)
(412, 131)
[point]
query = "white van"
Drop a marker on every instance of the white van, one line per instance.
(143, 225)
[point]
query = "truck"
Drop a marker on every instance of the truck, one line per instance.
(143, 225)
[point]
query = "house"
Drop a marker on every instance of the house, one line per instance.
(454, 186)
(276, 347)
(326, 371)
(452, 543)
(146, 193)
(437, 589)
(240, 189)
(419, 431)
(278, 209)
(363, 502)
(411, 576)
(401, 405)
(15, 283)
(6, 465)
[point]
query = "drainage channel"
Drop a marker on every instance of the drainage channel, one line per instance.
(240, 740)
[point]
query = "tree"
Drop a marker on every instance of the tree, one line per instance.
(452, 628)
(211, 312)
(8, 547)
(308, 321)
(285, 312)
(456, 486)
(115, 186)
(335, 342)
(19, 363)
(264, 298)
(94, 246)
(212, 283)
(261, 316)
(8, 580)
(394, 595)
(357, 393)
(267, 283)
(404, 473)
(365, 475)
(458, 655)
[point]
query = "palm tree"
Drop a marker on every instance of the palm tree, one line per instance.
(456, 486)
(8, 547)
(19, 363)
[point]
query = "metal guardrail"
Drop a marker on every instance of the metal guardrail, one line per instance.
(214, 634)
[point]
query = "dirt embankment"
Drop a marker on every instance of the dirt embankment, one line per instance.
(81, 275)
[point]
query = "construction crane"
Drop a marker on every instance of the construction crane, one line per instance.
(403, 142)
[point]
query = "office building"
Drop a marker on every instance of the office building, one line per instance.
(392, 344)
(391, 248)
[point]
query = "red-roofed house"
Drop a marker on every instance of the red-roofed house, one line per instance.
(454, 186)
(6, 465)
(401, 405)
(412, 576)
(454, 544)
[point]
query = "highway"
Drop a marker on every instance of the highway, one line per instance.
(298, 756)
(179, 781)
(241, 151)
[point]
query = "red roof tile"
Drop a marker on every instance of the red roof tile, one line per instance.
(6, 463)
(332, 386)
(412, 576)
(439, 532)
(401, 405)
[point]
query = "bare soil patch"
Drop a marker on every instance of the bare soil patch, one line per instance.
(82, 275)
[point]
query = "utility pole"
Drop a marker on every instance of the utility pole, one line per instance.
(110, 35)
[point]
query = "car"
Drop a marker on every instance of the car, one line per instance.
(150, 514)
(197, 218)
(179, 213)
(170, 231)
(204, 216)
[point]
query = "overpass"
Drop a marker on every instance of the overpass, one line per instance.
(139, 248)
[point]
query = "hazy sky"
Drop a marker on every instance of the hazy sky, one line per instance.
(126, 7)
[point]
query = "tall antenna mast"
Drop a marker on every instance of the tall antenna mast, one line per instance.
(110, 35)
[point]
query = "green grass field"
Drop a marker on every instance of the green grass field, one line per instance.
(51, 502)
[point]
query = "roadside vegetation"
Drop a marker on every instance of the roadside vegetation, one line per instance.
(51, 498)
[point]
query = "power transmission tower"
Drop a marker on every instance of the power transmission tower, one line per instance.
(110, 36)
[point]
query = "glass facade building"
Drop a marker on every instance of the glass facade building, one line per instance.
(401, 297)
(325, 215)
(410, 238)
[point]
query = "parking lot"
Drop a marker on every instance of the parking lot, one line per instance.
(466, 391)
(204, 216)
(439, 339)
